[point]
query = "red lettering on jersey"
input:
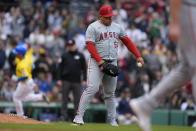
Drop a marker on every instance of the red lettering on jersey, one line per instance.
(114, 34)
(110, 34)
(105, 35)
(101, 37)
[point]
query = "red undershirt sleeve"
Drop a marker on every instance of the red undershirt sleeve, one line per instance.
(131, 46)
(93, 51)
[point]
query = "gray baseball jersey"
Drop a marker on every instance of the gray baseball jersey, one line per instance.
(106, 38)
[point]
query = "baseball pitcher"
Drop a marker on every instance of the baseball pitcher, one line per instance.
(102, 39)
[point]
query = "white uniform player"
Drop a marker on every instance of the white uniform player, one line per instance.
(102, 40)
(182, 28)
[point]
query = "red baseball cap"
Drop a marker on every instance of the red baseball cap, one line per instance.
(106, 11)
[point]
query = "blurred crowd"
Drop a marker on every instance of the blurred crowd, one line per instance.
(47, 25)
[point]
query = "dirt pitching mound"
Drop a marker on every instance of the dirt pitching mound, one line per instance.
(12, 118)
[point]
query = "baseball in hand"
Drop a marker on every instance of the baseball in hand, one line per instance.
(139, 64)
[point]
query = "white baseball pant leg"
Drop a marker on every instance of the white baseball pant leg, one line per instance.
(25, 92)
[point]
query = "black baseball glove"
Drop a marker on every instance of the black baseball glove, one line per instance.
(109, 69)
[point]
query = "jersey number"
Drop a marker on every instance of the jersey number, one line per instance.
(115, 44)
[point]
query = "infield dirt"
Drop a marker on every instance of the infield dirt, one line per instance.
(11, 118)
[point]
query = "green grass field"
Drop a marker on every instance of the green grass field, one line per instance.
(87, 127)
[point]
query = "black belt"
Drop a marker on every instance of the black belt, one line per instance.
(109, 61)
